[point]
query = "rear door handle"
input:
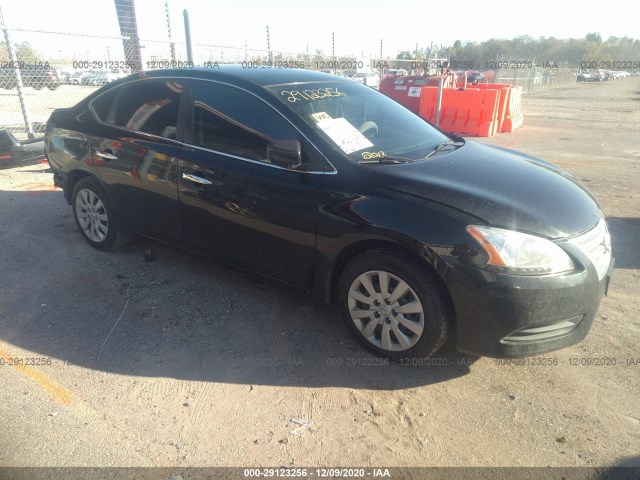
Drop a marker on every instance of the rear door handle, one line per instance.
(107, 156)
(196, 179)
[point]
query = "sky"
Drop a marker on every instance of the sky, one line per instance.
(300, 26)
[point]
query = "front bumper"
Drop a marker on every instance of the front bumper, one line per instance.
(516, 316)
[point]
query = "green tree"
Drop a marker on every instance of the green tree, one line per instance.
(593, 37)
(24, 52)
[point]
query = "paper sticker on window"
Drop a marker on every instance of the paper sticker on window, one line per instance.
(345, 135)
(320, 116)
(414, 91)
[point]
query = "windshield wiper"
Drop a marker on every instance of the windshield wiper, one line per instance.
(441, 146)
(388, 160)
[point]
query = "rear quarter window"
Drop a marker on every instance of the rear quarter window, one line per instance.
(147, 106)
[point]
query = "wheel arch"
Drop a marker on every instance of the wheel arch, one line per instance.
(422, 254)
(73, 177)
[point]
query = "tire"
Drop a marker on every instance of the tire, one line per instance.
(95, 217)
(425, 309)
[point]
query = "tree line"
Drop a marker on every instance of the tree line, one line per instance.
(571, 52)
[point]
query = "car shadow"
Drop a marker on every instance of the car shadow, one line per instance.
(626, 469)
(21, 162)
(625, 234)
(154, 311)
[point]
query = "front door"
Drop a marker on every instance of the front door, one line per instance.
(238, 207)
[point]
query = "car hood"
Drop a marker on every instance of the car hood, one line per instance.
(502, 187)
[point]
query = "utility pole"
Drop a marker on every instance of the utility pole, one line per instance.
(187, 35)
(126, 11)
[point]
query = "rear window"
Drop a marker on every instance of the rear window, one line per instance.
(147, 106)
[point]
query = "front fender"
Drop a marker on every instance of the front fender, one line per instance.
(349, 224)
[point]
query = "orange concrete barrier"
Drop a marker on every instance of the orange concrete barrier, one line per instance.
(505, 95)
(471, 112)
(513, 116)
(406, 89)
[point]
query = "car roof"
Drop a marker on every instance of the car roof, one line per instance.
(260, 76)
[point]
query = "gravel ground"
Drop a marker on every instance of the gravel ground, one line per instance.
(207, 365)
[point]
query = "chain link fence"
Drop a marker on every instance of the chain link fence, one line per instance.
(535, 78)
(35, 82)
(528, 73)
(43, 70)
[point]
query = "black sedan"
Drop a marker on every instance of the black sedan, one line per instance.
(36, 76)
(475, 78)
(330, 186)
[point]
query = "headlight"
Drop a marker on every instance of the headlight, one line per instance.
(520, 253)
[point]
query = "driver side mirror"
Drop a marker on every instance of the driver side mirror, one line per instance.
(285, 153)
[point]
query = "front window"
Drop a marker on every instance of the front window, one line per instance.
(362, 122)
(232, 121)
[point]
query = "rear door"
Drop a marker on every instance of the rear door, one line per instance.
(135, 151)
(236, 206)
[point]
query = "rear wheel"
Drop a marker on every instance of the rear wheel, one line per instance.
(95, 216)
(393, 306)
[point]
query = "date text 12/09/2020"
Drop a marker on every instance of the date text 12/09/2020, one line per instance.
(406, 362)
(317, 472)
(127, 65)
(572, 361)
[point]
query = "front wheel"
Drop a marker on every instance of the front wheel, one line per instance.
(95, 216)
(393, 305)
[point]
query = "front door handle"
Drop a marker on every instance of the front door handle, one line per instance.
(196, 179)
(106, 155)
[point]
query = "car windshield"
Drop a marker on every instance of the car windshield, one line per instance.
(365, 124)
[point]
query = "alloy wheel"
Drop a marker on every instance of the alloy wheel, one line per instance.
(92, 215)
(386, 310)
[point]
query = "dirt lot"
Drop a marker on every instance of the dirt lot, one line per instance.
(207, 365)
